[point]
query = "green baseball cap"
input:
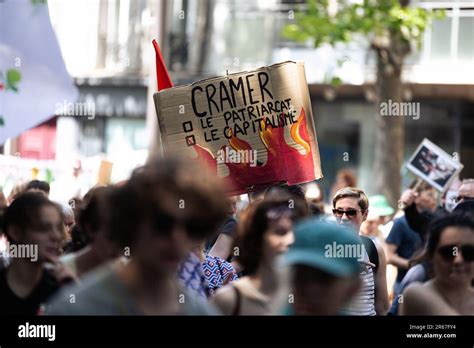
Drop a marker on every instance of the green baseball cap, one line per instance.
(378, 205)
(318, 244)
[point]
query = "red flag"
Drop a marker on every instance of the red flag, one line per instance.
(162, 76)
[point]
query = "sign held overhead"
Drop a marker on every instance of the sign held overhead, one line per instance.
(254, 128)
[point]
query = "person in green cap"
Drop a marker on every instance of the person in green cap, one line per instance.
(379, 206)
(324, 267)
(379, 214)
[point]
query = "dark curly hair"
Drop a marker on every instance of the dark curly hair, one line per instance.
(162, 183)
(91, 214)
(38, 185)
(254, 223)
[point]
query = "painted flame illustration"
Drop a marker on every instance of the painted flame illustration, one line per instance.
(267, 135)
(205, 155)
(238, 144)
(299, 132)
(284, 162)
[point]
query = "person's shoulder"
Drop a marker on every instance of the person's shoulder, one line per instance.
(396, 224)
(419, 292)
(229, 226)
(225, 298)
(424, 299)
(416, 272)
(85, 298)
(400, 222)
(421, 267)
(399, 227)
(414, 290)
(396, 231)
(413, 299)
(225, 293)
(195, 305)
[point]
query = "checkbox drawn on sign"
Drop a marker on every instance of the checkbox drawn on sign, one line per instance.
(190, 140)
(187, 126)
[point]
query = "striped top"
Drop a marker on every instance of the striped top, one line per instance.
(363, 303)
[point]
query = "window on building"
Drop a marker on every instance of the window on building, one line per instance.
(125, 135)
(466, 38)
(441, 39)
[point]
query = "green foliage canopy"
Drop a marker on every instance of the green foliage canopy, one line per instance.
(378, 20)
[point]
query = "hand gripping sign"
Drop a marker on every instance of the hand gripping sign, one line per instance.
(254, 128)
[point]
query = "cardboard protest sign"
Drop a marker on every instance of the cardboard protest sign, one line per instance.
(254, 128)
(433, 165)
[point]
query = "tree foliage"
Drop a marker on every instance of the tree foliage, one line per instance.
(378, 20)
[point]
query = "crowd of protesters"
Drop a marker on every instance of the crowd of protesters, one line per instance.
(169, 241)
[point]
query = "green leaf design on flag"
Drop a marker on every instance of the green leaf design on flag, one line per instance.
(13, 77)
(2, 122)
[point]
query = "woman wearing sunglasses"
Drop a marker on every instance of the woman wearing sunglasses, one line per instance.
(451, 250)
(350, 208)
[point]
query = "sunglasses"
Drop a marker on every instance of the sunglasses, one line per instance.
(165, 223)
(449, 252)
(350, 213)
